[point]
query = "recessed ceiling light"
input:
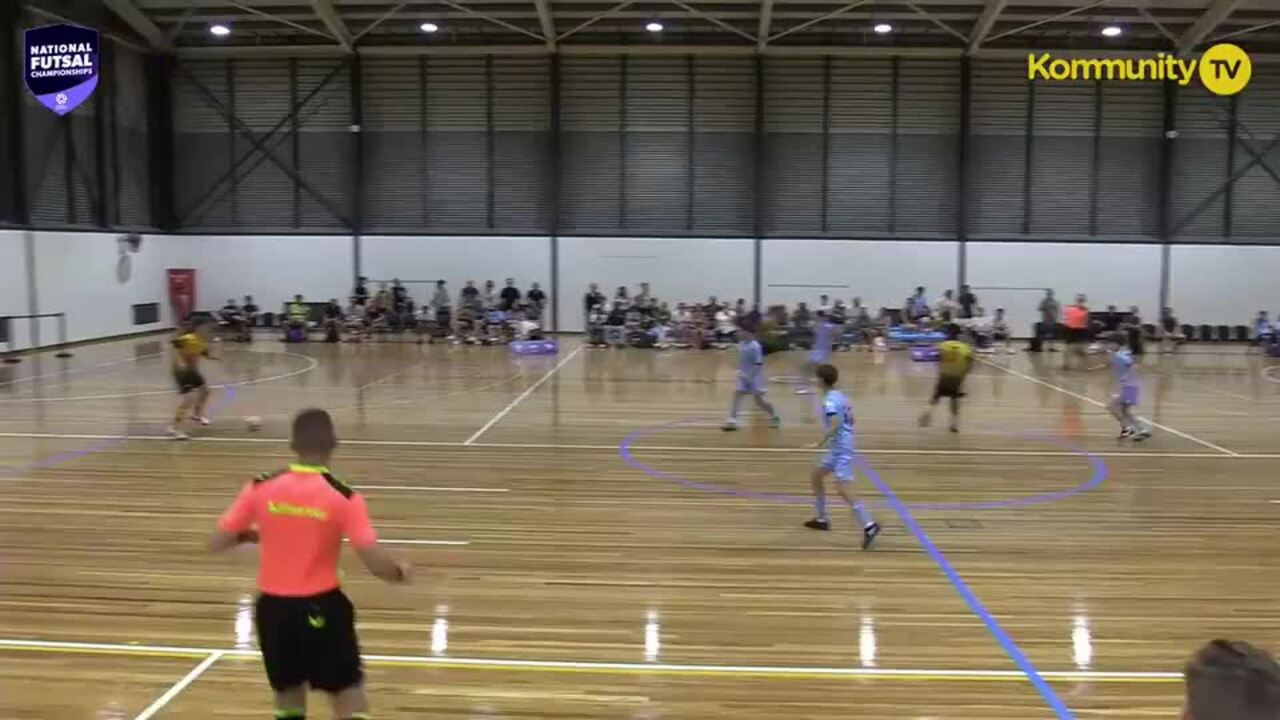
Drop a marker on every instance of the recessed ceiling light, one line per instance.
(1112, 31)
(219, 30)
(428, 27)
(654, 27)
(883, 28)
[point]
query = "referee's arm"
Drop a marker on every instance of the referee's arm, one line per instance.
(236, 524)
(364, 540)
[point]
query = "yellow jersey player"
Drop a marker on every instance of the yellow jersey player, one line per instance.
(188, 348)
(955, 357)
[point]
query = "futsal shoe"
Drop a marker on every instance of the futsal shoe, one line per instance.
(1141, 435)
(729, 425)
(1126, 433)
(775, 422)
(816, 524)
(177, 434)
(869, 534)
(202, 420)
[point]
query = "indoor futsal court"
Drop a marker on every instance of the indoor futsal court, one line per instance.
(639, 359)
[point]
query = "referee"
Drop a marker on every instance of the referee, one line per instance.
(306, 625)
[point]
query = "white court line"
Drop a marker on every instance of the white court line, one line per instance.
(387, 377)
(424, 488)
(77, 371)
(654, 448)
(1090, 400)
(384, 541)
(1266, 373)
(528, 391)
(312, 364)
(509, 664)
(181, 685)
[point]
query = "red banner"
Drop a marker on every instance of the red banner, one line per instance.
(182, 292)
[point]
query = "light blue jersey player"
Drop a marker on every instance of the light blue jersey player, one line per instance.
(838, 439)
(1127, 392)
(824, 336)
(751, 380)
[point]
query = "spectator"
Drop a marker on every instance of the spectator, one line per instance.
(440, 298)
(333, 318)
(298, 314)
(916, 308)
(860, 324)
(382, 298)
(1076, 320)
(713, 304)
(1229, 680)
(617, 315)
(469, 297)
(644, 295)
(596, 320)
(946, 308)
(1171, 335)
(399, 297)
(250, 312)
(1132, 326)
(1047, 328)
(509, 296)
(489, 296)
(1111, 320)
(620, 295)
(592, 299)
(967, 302)
(231, 317)
(801, 319)
(537, 299)
(1000, 330)
(1264, 333)
(824, 304)
(752, 319)
(361, 293)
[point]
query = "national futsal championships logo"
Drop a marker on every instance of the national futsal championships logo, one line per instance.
(1223, 69)
(60, 65)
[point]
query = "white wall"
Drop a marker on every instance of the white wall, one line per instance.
(457, 260)
(13, 284)
(1224, 285)
(271, 268)
(1109, 274)
(882, 273)
(82, 275)
(677, 269)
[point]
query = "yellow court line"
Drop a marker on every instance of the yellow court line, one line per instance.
(607, 668)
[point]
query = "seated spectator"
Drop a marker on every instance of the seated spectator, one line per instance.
(489, 296)
(726, 327)
(355, 321)
(439, 314)
(617, 314)
(399, 297)
(537, 300)
(1132, 329)
(967, 301)
(860, 325)
(946, 308)
(1170, 331)
(1231, 680)
(824, 304)
(591, 300)
(231, 317)
(1000, 331)
(469, 297)
(466, 324)
(332, 320)
(360, 295)
(802, 319)
(526, 325)
(250, 311)
(377, 312)
(297, 319)
(713, 304)
(1111, 320)
(1264, 333)
(620, 295)
(509, 296)
(596, 321)
(915, 310)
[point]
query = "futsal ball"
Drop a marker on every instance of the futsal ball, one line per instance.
(253, 423)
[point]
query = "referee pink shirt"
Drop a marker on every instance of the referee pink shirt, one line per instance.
(301, 516)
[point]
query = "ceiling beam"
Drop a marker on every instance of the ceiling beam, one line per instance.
(762, 30)
(331, 20)
(1213, 16)
(986, 21)
(546, 22)
(142, 24)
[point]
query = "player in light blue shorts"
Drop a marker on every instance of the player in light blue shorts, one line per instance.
(1126, 397)
(838, 439)
(824, 335)
(750, 379)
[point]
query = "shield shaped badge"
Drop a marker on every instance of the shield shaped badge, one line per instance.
(60, 65)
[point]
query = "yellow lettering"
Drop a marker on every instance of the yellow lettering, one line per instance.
(1098, 69)
(1148, 70)
(1035, 67)
(1060, 70)
(1188, 68)
(283, 508)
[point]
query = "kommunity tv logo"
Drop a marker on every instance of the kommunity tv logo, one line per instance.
(1223, 69)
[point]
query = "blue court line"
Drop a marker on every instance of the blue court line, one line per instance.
(1010, 647)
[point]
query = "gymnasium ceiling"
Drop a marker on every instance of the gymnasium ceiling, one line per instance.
(725, 27)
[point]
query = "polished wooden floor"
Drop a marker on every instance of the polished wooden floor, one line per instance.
(591, 546)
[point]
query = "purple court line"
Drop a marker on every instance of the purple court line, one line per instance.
(75, 453)
(627, 449)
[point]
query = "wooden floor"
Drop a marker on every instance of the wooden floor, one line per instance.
(591, 546)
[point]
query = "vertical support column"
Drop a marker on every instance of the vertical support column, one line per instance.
(102, 109)
(826, 138)
(69, 166)
(622, 145)
(1095, 163)
(113, 130)
(1028, 157)
(761, 187)
(488, 140)
(1167, 148)
(423, 193)
(160, 142)
(295, 141)
(553, 189)
(1228, 196)
(690, 168)
(962, 171)
(14, 176)
(33, 288)
(232, 139)
(893, 144)
(356, 190)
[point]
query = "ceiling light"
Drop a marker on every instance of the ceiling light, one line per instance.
(654, 27)
(883, 28)
(219, 30)
(428, 27)
(1112, 31)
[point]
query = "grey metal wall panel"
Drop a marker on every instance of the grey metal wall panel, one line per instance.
(202, 145)
(997, 148)
(521, 125)
(46, 148)
(724, 109)
(928, 137)
(1256, 195)
(325, 144)
(860, 149)
(591, 144)
(1199, 163)
(133, 161)
(1128, 182)
(395, 143)
(657, 144)
(794, 145)
(1062, 158)
(457, 165)
(264, 198)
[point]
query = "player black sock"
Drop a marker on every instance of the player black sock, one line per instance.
(291, 715)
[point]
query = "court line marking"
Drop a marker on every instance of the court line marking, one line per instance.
(1266, 373)
(312, 364)
(79, 371)
(1103, 405)
(179, 686)
(650, 448)
(426, 488)
(384, 541)
(528, 391)
(138, 650)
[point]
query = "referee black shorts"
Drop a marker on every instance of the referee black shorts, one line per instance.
(949, 387)
(309, 641)
(188, 380)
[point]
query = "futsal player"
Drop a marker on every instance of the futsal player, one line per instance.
(1126, 397)
(824, 333)
(1232, 680)
(306, 625)
(750, 379)
(188, 349)
(838, 439)
(955, 358)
